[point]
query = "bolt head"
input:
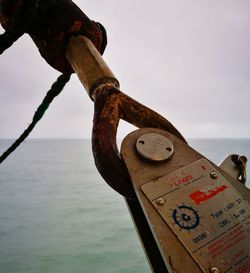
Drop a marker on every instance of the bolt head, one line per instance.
(214, 175)
(160, 201)
(214, 270)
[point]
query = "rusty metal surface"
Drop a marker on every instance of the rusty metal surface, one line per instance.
(53, 24)
(50, 24)
(175, 252)
(111, 105)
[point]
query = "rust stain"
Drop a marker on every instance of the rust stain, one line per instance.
(50, 26)
(111, 105)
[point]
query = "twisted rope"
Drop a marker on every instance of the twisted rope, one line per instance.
(7, 39)
(22, 23)
(55, 90)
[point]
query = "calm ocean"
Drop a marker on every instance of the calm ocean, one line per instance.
(57, 215)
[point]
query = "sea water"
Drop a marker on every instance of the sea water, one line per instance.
(57, 215)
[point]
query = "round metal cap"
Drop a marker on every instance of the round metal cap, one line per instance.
(154, 147)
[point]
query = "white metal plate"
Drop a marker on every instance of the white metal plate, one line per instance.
(208, 215)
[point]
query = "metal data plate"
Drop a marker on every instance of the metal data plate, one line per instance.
(207, 214)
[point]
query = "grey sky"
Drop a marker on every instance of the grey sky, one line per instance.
(189, 60)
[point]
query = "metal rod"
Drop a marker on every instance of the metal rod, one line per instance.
(89, 65)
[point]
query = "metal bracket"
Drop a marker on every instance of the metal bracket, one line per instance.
(235, 165)
(198, 214)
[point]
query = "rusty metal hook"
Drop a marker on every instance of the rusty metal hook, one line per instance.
(50, 24)
(111, 105)
(56, 29)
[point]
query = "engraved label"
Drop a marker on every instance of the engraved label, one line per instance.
(209, 216)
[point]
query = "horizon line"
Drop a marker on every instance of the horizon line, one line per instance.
(89, 138)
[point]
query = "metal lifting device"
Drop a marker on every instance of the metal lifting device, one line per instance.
(191, 215)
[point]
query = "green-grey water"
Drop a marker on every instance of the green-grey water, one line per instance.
(57, 215)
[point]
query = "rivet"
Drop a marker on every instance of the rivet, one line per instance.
(214, 270)
(214, 175)
(160, 201)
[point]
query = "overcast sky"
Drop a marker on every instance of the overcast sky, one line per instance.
(188, 60)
